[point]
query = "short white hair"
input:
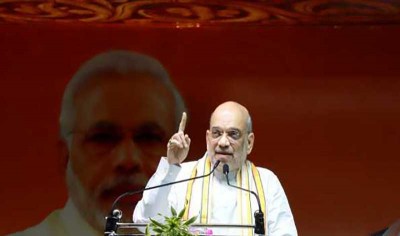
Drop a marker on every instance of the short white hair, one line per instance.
(119, 62)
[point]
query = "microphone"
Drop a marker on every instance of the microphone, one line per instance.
(115, 214)
(111, 222)
(258, 215)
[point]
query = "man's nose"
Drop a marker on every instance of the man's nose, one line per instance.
(128, 157)
(223, 142)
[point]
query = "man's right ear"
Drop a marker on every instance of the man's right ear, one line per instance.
(207, 138)
(63, 153)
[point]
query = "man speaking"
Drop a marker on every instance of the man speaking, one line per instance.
(230, 139)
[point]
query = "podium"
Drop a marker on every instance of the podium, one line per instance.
(195, 229)
(114, 227)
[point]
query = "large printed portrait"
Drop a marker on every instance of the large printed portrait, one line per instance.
(323, 93)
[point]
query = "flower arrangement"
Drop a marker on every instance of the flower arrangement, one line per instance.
(172, 226)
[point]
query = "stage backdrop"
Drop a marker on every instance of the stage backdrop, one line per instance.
(325, 103)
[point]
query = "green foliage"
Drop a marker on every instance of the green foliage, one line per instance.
(172, 226)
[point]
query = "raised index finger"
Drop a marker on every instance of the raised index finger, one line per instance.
(182, 125)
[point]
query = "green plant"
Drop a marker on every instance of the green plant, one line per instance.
(172, 226)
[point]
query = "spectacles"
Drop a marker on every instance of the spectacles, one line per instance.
(232, 134)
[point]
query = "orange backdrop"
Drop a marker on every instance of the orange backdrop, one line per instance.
(324, 100)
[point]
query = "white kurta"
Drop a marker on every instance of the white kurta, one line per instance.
(61, 222)
(224, 200)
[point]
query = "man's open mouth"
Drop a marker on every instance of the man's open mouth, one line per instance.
(223, 156)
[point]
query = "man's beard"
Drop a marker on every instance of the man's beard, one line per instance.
(85, 204)
(89, 205)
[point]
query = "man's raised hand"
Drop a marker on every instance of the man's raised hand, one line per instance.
(178, 144)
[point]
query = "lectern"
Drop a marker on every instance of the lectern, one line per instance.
(113, 225)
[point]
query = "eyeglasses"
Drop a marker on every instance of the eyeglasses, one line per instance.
(232, 134)
(102, 139)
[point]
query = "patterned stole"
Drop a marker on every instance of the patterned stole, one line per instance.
(248, 177)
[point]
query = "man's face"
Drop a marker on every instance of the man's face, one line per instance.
(119, 135)
(228, 139)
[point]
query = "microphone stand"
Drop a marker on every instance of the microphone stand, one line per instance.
(115, 215)
(111, 222)
(258, 214)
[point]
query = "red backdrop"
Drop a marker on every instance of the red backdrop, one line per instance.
(324, 100)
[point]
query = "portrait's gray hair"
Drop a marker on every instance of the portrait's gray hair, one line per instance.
(121, 63)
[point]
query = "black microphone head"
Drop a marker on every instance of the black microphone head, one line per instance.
(117, 213)
(225, 169)
(216, 164)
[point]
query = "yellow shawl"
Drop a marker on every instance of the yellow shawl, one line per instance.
(247, 177)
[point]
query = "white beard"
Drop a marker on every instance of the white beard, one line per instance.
(85, 204)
